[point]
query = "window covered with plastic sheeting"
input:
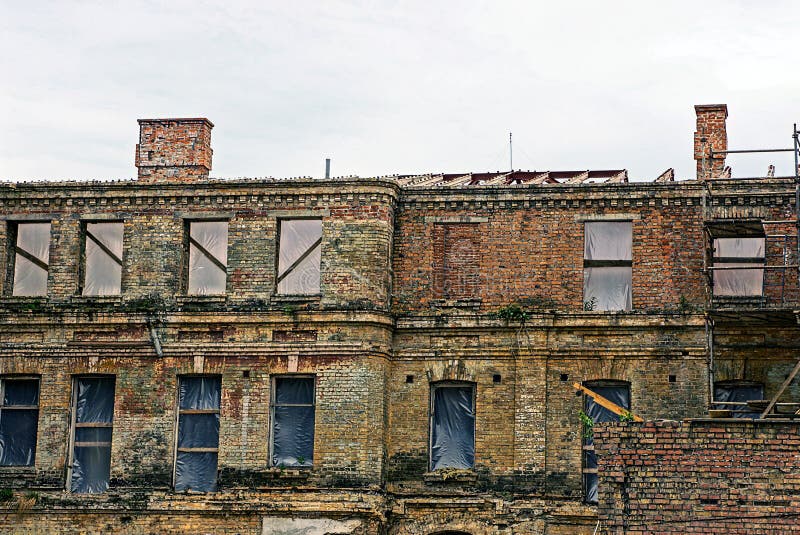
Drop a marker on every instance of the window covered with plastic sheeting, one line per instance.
(293, 421)
(607, 265)
(208, 257)
(102, 267)
(93, 417)
(19, 418)
(198, 434)
(619, 393)
(452, 426)
(299, 256)
(31, 259)
(741, 261)
(734, 395)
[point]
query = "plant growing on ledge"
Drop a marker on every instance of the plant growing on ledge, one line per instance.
(590, 305)
(588, 424)
(513, 312)
(626, 416)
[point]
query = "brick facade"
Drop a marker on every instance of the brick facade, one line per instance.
(418, 285)
(700, 476)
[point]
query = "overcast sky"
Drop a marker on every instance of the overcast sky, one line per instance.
(395, 87)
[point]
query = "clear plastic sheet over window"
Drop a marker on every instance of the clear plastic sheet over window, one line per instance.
(103, 260)
(198, 432)
(208, 257)
(741, 392)
(299, 256)
(31, 259)
(608, 240)
(608, 288)
(617, 393)
(453, 427)
(19, 417)
(748, 281)
(94, 416)
(293, 422)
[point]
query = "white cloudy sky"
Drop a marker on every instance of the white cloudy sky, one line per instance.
(395, 87)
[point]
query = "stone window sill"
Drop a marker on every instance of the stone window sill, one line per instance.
(471, 303)
(289, 473)
(303, 298)
(450, 475)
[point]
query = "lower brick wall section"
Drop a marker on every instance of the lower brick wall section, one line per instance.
(699, 476)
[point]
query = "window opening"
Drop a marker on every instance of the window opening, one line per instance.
(31, 259)
(734, 395)
(742, 260)
(452, 426)
(102, 258)
(607, 265)
(293, 421)
(617, 392)
(299, 256)
(93, 416)
(198, 434)
(208, 257)
(19, 418)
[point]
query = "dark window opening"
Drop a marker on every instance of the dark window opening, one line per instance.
(293, 421)
(672, 378)
(30, 259)
(102, 259)
(607, 265)
(208, 258)
(299, 257)
(617, 392)
(409, 379)
(93, 416)
(19, 419)
(452, 426)
(198, 433)
(734, 395)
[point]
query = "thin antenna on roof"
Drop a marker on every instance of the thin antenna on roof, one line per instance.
(327, 167)
(510, 153)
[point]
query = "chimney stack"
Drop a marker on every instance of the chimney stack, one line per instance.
(176, 149)
(710, 135)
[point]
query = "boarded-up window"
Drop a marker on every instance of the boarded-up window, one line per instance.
(198, 434)
(293, 421)
(456, 251)
(607, 265)
(734, 395)
(299, 256)
(19, 417)
(742, 263)
(208, 257)
(617, 392)
(102, 268)
(93, 417)
(31, 259)
(452, 426)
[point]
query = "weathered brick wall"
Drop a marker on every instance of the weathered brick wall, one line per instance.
(699, 477)
(531, 244)
(357, 220)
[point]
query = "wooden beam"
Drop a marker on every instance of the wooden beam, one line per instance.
(603, 402)
(788, 380)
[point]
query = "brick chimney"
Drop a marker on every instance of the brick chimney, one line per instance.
(177, 149)
(710, 135)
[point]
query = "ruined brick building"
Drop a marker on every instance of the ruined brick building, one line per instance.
(181, 354)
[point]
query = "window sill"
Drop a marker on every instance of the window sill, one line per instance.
(296, 298)
(116, 298)
(468, 303)
(451, 475)
(290, 473)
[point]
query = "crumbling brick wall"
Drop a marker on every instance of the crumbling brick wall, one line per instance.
(700, 476)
